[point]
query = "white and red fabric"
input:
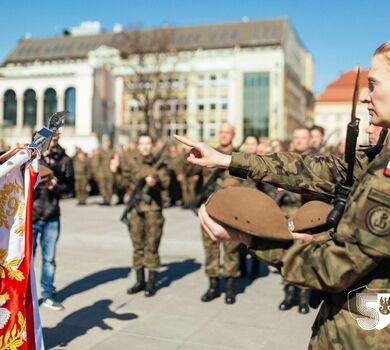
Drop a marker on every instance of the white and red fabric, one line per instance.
(20, 327)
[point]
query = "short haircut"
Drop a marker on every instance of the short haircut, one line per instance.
(254, 136)
(302, 127)
(144, 134)
(318, 128)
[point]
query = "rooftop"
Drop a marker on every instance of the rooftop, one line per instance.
(245, 34)
(341, 89)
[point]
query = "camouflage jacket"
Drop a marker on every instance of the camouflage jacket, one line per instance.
(140, 164)
(357, 254)
(81, 167)
(225, 178)
(105, 157)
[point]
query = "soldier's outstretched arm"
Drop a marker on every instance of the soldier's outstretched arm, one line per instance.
(304, 174)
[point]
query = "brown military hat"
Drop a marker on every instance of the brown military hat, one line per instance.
(45, 173)
(311, 217)
(250, 211)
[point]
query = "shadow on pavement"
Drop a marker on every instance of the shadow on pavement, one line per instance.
(175, 271)
(91, 281)
(262, 271)
(79, 322)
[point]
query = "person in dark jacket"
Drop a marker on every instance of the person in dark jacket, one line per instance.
(46, 216)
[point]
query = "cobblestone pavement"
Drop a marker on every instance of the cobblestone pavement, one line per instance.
(93, 272)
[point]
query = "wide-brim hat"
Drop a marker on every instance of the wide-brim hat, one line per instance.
(250, 211)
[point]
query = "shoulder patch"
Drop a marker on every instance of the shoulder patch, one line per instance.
(378, 220)
(379, 196)
(387, 170)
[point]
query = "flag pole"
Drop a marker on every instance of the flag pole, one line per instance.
(39, 144)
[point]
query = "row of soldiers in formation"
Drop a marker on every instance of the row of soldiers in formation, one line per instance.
(168, 180)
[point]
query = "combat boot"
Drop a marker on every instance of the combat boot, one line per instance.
(289, 298)
(230, 293)
(150, 288)
(255, 267)
(303, 301)
(213, 291)
(139, 284)
(242, 264)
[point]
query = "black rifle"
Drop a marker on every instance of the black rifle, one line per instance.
(207, 189)
(138, 195)
(343, 188)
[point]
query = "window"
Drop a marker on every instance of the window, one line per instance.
(224, 106)
(10, 108)
(212, 106)
(212, 131)
(29, 108)
(70, 106)
(200, 131)
(256, 103)
(201, 107)
(50, 104)
(213, 77)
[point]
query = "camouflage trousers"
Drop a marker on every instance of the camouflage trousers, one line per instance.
(106, 182)
(212, 257)
(80, 189)
(188, 191)
(145, 233)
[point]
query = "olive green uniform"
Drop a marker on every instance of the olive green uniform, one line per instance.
(81, 169)
(191, 174)
(354, 255)
(175, 165)
(106, 177)
(213, 249)
(146, 219)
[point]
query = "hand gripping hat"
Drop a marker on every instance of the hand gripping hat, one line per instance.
(250, 211)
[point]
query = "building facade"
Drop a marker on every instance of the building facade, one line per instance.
(256, 75)
(333, 107)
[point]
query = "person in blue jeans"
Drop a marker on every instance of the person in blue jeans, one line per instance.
(46, 217)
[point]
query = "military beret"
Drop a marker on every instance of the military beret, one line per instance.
(311, 217)
(250, 211)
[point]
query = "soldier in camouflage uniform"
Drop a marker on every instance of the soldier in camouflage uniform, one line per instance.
(106, 177)
(94, 176)
(146, 219)
(289, 203)
(175, 164)
(189, 179)
(355, 256)
(116, 166)
(213, 249)
(81, 170)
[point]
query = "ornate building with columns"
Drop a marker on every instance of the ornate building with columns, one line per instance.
(256, 75)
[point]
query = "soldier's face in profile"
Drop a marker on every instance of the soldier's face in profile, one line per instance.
(377, 96)
(145, 145)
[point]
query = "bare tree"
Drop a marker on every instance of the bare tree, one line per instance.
(152, 58)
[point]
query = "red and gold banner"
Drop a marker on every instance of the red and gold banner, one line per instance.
(19, 316)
